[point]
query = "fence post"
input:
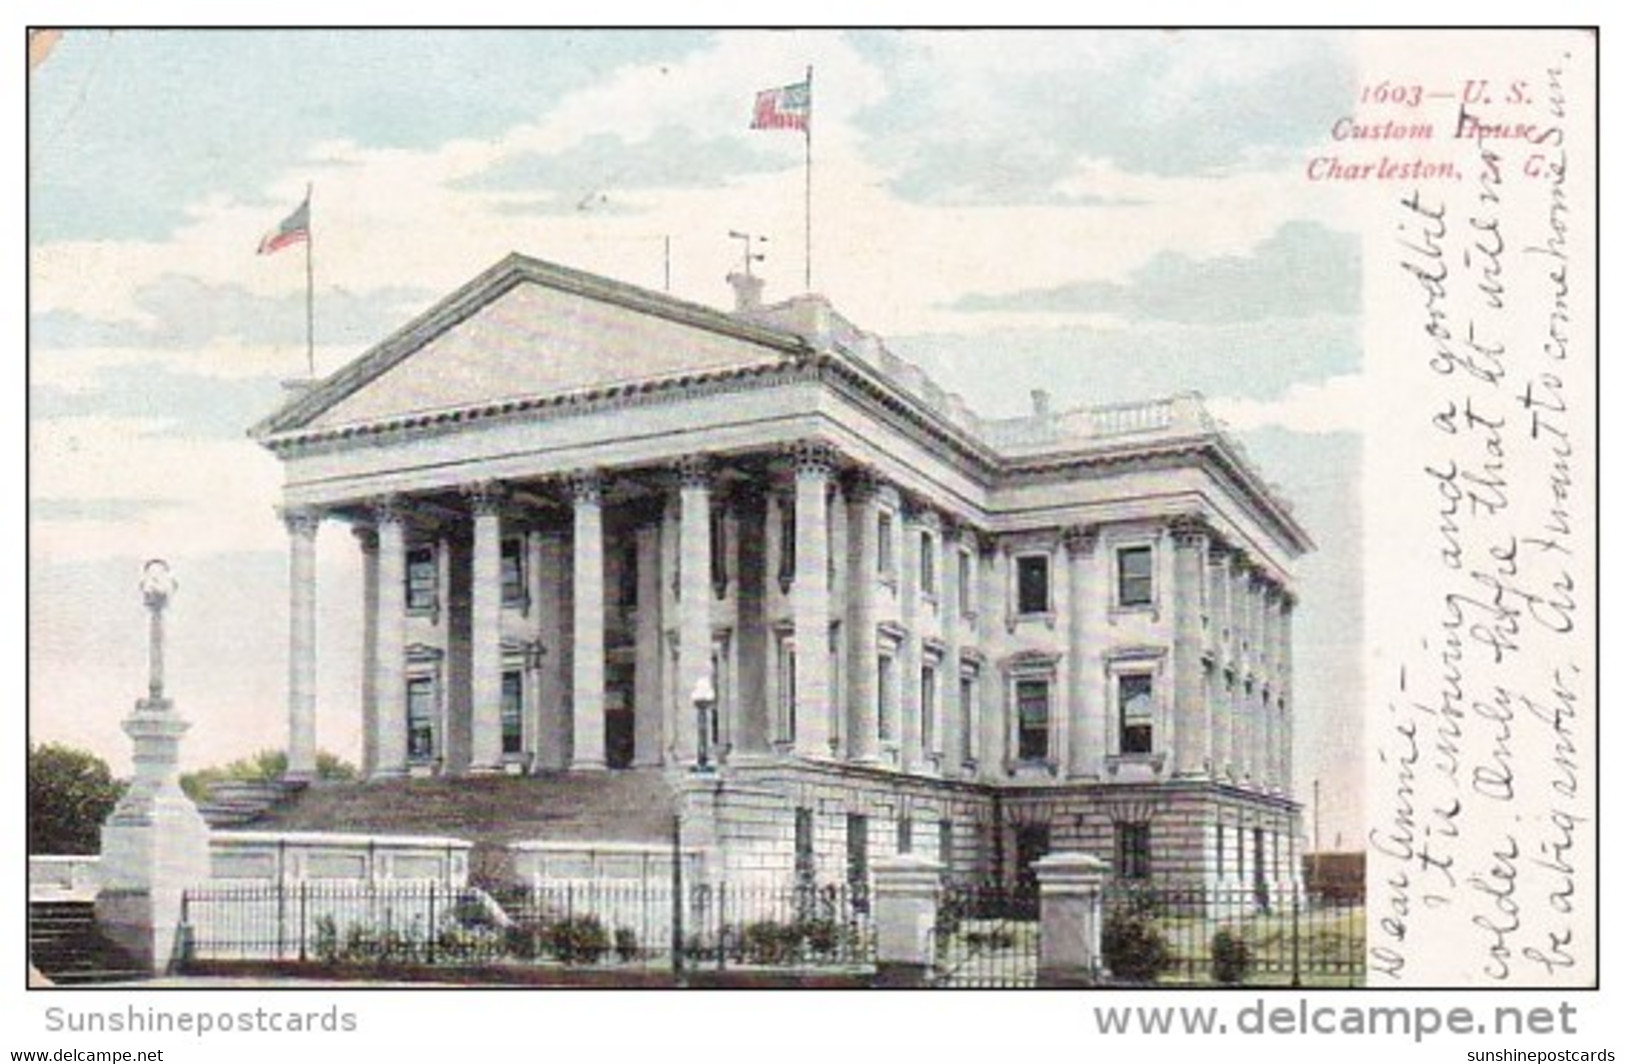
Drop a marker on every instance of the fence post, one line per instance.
(1070, 892)
(677, 900)
(1297, 977)
(906, 890)
(304, 928)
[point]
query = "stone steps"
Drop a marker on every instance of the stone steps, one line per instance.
(238, 803)
(614, 806)
(67, 947)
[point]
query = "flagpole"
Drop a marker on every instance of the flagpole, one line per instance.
(807, 220)
(310, 290)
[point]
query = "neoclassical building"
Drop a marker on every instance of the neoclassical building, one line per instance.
(605, 530)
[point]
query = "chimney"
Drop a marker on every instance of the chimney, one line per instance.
(747, 291)
(1040, 403)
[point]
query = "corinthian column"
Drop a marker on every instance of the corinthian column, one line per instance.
(1192, 751)
(390, 640)
(1085, 613)
(810, 597)
(302, 525)
(485, 500)
(863, 722)
(367, 538)
(587, 677)
(694, 597)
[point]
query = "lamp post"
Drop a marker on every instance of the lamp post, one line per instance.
(705, 703)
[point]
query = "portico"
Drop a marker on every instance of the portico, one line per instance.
(577, 503)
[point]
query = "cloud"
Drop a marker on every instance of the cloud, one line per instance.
(1301, 270)
(1338, 404)
(1006, 116)
(131, 487)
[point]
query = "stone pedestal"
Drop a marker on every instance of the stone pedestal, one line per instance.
(154, 847)
(906, 888)
(1070, 887)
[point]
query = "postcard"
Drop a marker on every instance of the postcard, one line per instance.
(816, 508)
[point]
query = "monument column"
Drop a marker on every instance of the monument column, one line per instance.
(390, 640)
(587, 661)
(485, 753)
(694, 598)
(302, 525)
(155, 845)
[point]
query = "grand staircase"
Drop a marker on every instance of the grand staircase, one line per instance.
(633, 805)
(66, 946)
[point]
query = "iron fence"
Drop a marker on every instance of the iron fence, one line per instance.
(627, 924)
(1156, 934)
(985, 936)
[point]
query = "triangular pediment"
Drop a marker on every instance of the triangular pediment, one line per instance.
(528, 330)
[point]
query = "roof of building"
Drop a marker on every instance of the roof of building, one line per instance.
(479, 348)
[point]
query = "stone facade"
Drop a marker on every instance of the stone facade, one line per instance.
(577, 503)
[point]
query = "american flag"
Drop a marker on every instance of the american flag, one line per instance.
(294, 229)
(786, 107)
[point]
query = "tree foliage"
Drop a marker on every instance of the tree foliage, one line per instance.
(265, 766)
(70, 793)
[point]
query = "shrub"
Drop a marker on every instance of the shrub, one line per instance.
(1232, 957)
(578, 940)
(626, 944)
(1134, 947)
(770, 942)
(326, 946)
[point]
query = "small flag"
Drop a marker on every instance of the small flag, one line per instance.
(786, 107)
(295, 229)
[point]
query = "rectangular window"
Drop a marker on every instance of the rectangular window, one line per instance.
(886, 695)
(857, 854)
(787, 543)
(905, 834)
(1219, 863)
(1134, 576)
(1133, 850)
(945, 846)
(1135, 712)
(513, 572)
(422, 579)
(885, 563)
(421, 704)
(967, 585)
(1032, 720)
(787, 688)
(1032, 583)
(928, 709)
(513, 712)
(805, 870)
(969, 718)
(928, 565)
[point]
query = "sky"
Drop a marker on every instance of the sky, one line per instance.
(1107, 215)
